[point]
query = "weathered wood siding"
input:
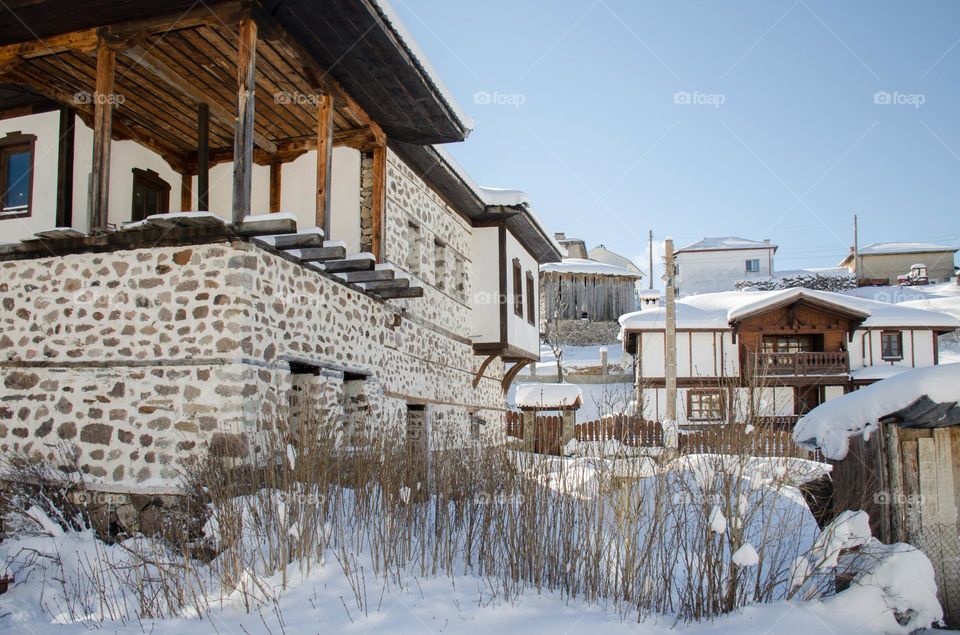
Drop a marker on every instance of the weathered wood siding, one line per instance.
(600, 297)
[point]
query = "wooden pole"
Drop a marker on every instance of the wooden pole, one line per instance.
(379, 200)
(671, 335)
(897, 498)
(243, 133)
(203, 157)
(103, 98)
(324, 160)
(65, 153)
(275, 176)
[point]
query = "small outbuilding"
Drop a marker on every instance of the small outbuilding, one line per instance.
(549, 415)
(895, 451)
(580, 289)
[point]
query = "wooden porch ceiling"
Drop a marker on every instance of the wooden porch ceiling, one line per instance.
(165, 69)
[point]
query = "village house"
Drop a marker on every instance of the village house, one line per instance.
(884, 262)
(773, 354)
(212, 210)
(717, 264)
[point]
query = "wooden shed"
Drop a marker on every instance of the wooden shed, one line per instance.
(578, 289)
(905, 474)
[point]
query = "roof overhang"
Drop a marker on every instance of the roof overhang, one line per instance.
(353, 39)
(855, 316)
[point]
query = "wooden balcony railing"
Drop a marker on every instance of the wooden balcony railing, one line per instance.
(800, 364)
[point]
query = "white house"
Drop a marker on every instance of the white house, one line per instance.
(777, 354)
(717, 264)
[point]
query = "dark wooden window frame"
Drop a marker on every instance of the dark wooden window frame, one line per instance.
(695, 414)
(517, 288)
(897, 337)
(8, 144)
(152, 179)
(531, 305)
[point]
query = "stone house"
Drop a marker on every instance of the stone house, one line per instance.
(774, 354)
(321, 244)
(886, 261)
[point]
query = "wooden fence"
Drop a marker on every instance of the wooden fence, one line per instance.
(761, 440)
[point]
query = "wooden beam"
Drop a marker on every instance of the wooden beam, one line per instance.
(275, 176)
(172, 78)
(243, 135)
(203, 157)
(186, 192)
(511, 374)
(85, 41)
(379, 200)
(103, 98)
(323, 254)
(483, 368)
(65, 154)
(324, 161)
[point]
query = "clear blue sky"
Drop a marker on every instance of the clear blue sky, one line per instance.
(584, 116)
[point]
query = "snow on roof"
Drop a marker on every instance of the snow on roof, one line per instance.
(903, 248)
(579, 265)
(822, 271)
(547, 396)
(421, 60)
(719, 310)
(724, 243)
(830, 425)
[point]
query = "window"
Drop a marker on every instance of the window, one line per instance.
(531, 309)
(16, 175)
(753, 266)
(517, 288)
(151, 194)
(439, 264)
(704, 405)
(413, 248)
(459, 277)
(891, 345)
(789, 343)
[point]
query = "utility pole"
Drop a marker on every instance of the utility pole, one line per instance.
(856, 250)
(650, 252)
(671, 352)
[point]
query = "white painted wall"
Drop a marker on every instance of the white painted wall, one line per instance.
(44, 204)
(520, 333)
(485, 293)
(699, 354)
(712, 271)
(918, 349)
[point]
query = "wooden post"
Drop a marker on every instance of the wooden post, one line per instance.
(65, 149)
(243, 132)
(379, 200)
(203, 157)
(275, 172)
(324, 160)
(671, 335)
(103, 98)
(186, 192)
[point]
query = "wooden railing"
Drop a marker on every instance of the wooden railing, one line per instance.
(800, 364)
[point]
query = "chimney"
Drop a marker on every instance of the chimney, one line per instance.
(766, 240)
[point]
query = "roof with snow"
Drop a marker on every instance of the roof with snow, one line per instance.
(903, 248)
(832, 424)
(721, 311)
(725, 243)
(601, 253)
(548, 396)
(587, 267)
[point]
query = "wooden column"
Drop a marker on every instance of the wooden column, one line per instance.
(379, 200)
(186, 192)
(98, 200)
(243, 132)
(203, 157)
(275, 182)
(324, 160)
(65, 149)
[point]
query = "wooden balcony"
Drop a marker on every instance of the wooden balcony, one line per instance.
(799, 364)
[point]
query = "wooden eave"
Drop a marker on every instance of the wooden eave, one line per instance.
(855, 317)
(167, 66)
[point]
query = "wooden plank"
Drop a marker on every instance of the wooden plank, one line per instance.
(85, 41)
(897, 494)
(264, 228)
(323, 254)
(911, 486)
(378, 285)
(103, 97)
(298, 241)
(379, 200)
(276, 169)
(946, 504)
(926, 459)
(955, 456)
(324, 161)
(246, 106)
(186, 192)
(355, 277)
(410, 292)
(352, 264)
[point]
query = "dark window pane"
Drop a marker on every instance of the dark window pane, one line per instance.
(17, 186)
